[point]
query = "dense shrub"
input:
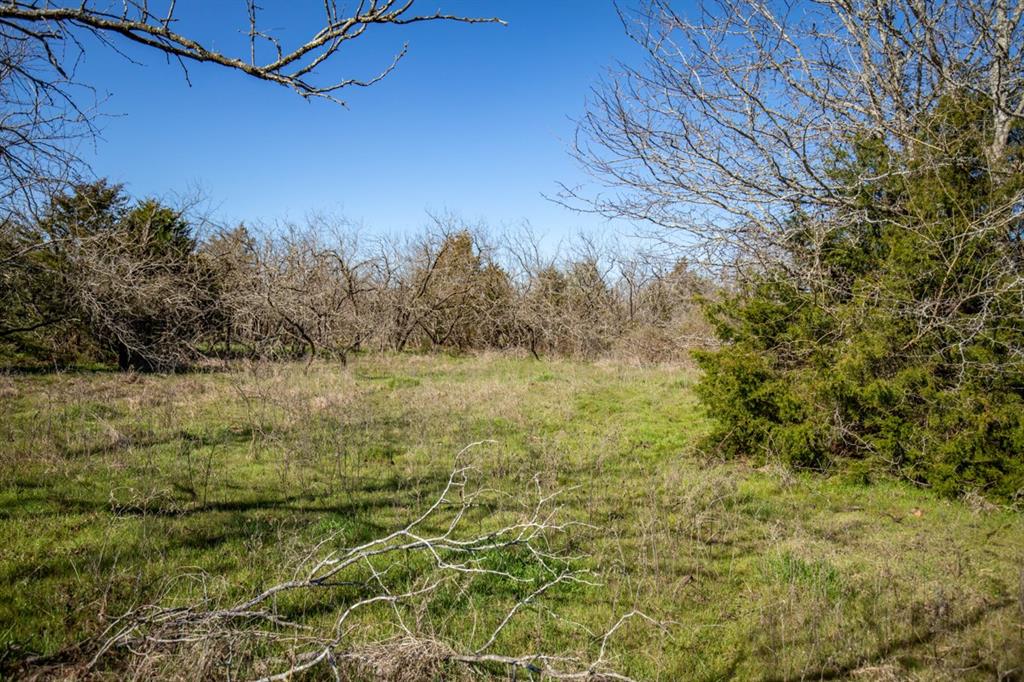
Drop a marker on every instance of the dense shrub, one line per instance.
(100, 277)
(898, 346)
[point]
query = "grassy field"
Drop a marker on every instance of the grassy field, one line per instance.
(114, 487)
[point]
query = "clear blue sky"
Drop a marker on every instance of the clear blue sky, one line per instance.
(476, 120)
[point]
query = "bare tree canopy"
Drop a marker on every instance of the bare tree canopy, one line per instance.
(732, 121)
(41, 41)
(103, 275)
(299, 66)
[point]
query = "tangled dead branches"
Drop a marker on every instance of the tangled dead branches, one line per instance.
(384, 609)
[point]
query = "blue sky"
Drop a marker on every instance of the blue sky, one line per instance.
(476, 120)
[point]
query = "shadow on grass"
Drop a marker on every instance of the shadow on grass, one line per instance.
(226, 524)
(45, 370)
(211, 525)
(904, 644)
(142, 439)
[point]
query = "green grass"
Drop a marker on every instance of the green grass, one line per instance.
(114, 487)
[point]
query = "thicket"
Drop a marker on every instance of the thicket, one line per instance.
(899, 348)
(99, 277)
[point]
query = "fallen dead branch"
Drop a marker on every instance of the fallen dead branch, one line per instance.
(374, 600)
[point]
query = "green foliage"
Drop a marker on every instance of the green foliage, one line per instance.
(159, 232)
(87, 210)
(901, 355)
(787, 568)
(98, 276)
(39, 319)
(466, 297)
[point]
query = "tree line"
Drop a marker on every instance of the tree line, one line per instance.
(102, 277)
(849, 174)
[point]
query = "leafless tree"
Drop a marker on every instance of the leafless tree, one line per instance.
(42, 117)
(317, 289)
(732, 120)
(312, 283)
(44, 108)
(662, 316)
(593, 297)
(231, 256)
(290, 289)
(46, 113)
(137, 293)
(299, 65)
(731, 126)
(439, 288)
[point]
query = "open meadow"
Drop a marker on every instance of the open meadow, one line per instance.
(443, 341)
(124, 490)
